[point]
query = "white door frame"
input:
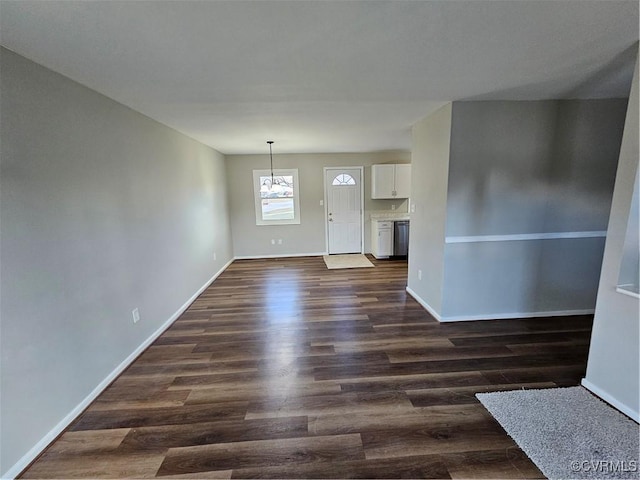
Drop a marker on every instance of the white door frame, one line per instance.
(326, 205)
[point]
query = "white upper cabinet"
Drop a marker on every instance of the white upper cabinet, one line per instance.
(383, 181)
(403, 180)
(391, 181)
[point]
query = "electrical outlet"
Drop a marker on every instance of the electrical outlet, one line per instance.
(321, 203)
(419, 274)
(393, 206)
(413, 208)
(215, 257)
(279, 241)
(273, 241)
(136, 315)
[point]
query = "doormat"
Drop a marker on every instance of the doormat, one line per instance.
(358, 260)
(568, 432)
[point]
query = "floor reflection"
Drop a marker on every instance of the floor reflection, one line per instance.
(285, 338)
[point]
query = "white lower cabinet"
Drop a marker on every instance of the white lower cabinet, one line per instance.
(381, 238)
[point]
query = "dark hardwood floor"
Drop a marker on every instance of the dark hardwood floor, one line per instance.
(284, 369)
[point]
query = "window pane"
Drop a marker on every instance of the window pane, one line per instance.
(343, 179)
(282, 186)
(276, 197)
(277, 208)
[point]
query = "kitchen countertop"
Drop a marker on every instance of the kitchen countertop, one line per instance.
(390, 216)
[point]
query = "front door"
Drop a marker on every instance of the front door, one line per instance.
(343, 188)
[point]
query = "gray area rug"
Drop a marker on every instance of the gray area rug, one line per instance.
(568, 432)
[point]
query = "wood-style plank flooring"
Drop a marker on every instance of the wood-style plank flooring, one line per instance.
(284, 369)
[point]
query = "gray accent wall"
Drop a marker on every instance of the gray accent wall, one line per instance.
(512, 168)
(539, 167)
(533, 167)
(307, 238)
(613, 370)
(103, 210)
(521, 278)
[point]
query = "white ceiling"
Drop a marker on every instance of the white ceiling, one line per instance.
(324, 76)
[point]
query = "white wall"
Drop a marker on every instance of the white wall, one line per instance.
(103, 210)
(630, 265)
(307, 238)
(429, 173)
(613, 367)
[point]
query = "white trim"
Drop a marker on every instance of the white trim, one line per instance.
(597, 391)
(283, 255)
(624, 291)
(525, 236)
(494, 316)
(257, 199)
(515, 315)
(44, 442)
(424, 304)
(326, 205)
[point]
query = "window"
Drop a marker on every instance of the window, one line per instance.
(277, 202)
(343, 179)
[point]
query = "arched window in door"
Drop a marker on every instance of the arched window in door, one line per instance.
(343, 179)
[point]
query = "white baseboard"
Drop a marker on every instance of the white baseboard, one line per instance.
(628, 411)
(507, 316)
(44, 442)
(495, 316)
(424, 304)
(283, 255)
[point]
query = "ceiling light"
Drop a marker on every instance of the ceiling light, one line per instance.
(270, 142)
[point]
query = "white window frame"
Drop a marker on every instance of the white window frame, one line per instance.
(349, 181)
(258, 200)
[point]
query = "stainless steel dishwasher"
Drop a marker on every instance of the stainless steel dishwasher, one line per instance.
(400, 238)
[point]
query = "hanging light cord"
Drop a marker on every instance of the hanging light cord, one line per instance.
(270, 142)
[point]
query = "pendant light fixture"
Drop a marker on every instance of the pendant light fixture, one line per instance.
(270, 142)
